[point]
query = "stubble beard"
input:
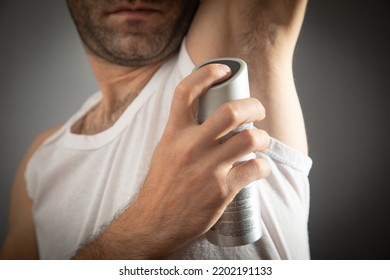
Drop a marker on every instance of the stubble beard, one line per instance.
(136, 43)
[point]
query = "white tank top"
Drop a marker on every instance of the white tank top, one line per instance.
(79, 182)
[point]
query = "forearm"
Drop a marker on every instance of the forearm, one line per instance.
(128, 237)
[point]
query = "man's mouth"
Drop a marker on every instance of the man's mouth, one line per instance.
(137, 10)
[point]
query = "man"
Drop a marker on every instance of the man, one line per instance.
(132, 175)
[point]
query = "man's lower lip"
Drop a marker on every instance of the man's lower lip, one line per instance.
(134, 14)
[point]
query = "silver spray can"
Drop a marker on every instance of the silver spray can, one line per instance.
(240, 224)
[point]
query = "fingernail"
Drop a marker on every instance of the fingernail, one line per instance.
(224, 68)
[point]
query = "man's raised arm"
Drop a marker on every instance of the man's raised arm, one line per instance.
(264, 34)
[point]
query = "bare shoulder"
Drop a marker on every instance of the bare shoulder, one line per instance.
(20, 241)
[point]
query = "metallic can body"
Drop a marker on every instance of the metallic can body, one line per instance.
(240, 224)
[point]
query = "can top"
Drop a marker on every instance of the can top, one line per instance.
(236, 65)
(233, 88)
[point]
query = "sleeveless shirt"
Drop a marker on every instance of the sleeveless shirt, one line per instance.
(78, 183)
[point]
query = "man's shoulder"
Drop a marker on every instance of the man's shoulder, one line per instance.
(41, 138)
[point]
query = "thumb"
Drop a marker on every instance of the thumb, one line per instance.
(191, 88)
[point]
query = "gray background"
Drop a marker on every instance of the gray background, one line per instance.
(341, 69)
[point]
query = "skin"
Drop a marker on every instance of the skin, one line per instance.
(263, 33)
(132, 42)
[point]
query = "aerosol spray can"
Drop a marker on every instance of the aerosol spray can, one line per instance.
(240, 224)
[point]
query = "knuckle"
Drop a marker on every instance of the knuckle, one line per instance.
(220, 190)
(181, 91)
(250, 138)
(184, 94)
(230, 113)
(185, 157)
(261, 168)
(257, 140)
(186, 87)
(220, 193)
(212, 70)
(258, 166)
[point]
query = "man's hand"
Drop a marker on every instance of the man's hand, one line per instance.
(192, 177)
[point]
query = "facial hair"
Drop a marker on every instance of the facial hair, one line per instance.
(132, 42)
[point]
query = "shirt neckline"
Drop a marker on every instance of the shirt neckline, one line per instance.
(89, 142)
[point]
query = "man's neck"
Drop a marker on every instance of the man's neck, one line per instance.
(119, 85)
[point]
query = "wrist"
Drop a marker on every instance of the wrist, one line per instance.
(127, 237)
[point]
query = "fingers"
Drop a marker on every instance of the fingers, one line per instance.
(190, 88)
(242, 144)
(231, 115)
(228, 117)
(247, 172)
